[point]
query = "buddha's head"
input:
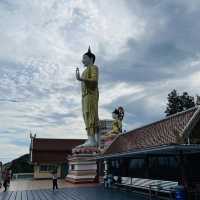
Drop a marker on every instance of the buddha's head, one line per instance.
(115, 114)
(121, 112)
(88, 58)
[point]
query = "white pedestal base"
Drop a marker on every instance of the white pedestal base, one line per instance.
(82, 168)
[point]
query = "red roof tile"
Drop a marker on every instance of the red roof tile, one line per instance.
(154, 134)
(52, 150)
(45, 144)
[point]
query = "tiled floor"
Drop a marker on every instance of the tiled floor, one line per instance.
(19, 185)
(75, 193)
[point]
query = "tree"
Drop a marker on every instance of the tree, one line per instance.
(187, 101)
(177, 103)
(20, 165)
(174, 103)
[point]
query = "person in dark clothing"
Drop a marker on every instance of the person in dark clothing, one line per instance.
(6, 179)
(55, 180)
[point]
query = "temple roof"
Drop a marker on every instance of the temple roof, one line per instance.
(46, 144)
(44, 150)
(162, 132)
(169, 150)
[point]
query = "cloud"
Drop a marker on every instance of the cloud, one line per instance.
(144, 49)
(10, 151)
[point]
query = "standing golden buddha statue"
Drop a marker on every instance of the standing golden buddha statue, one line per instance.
(90, 97)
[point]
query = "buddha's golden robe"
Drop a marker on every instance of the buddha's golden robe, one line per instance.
(90, 98)
(116, 126)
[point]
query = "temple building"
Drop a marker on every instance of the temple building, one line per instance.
(48, 155)
(166, 151)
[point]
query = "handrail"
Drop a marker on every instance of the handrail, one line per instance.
(22, 175)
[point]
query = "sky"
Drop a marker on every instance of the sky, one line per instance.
(144, 49)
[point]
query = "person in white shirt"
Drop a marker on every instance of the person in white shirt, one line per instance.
(55, 180)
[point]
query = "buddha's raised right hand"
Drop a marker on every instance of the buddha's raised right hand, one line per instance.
(77, 74)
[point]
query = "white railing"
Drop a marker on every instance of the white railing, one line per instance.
(22, 176)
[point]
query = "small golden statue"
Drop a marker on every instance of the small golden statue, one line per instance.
(118, 115)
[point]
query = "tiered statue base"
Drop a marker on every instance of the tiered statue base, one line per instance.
(83, 165)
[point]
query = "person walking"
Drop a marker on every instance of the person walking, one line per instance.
(1, 174)
(55, 180)
(6, 179)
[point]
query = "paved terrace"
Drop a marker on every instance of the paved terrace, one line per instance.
(76, 193)
(21, 185)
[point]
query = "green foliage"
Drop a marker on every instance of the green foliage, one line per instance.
(177, 103)
(21, 165)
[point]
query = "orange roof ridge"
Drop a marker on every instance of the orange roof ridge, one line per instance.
(163, 119)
